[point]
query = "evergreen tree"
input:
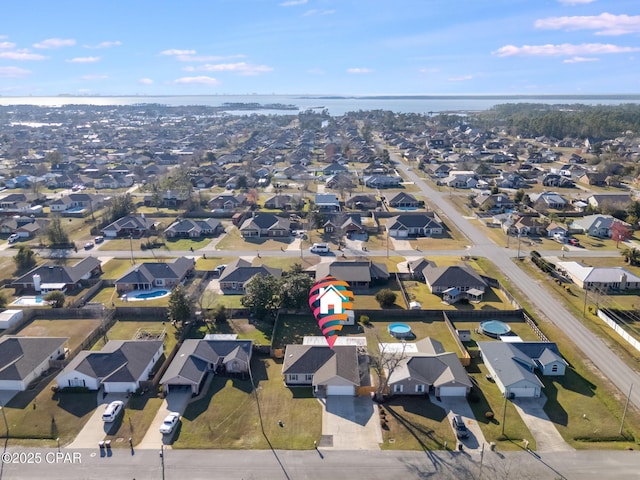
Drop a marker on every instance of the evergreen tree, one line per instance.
(180, 305)
(25, 258)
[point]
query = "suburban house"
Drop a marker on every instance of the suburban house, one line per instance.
(130, 225)
(549, 200)
(24, 359)
(330, 371)
(382, 181)
(149, 275)
(594, 178)
(360, 274)
(404, 200)
(524, 225)
(238, 273)
(327, 202)
(227, 202)
(595, 225)
(455, 283)
(555, 230)
(362, 202)
(24, 227)
(196, 359)
(344, 223)
(495, 202)
(600, 278)
(194, 228)
(512, 365)
(49, 277)
(265, 225)
(426, 368)
(283, 202)
(614, 201)
(119, 367)
(425, 224)
(81, 202)
(460, 179)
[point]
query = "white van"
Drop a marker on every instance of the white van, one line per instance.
(112, 411)
(320, 248)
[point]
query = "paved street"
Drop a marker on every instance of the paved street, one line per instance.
(322, 465)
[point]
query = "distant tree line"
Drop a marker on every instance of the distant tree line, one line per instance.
(561, 121)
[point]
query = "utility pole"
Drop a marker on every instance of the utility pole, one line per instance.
(4, 417)
(584, 307)
(624, 414)
(518, 246)
(504, 412)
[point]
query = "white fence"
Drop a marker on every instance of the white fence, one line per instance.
(619, 330)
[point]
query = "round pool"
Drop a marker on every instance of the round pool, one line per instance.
(494, 328)
(400, 330)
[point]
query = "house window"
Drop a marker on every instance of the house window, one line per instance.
(554, 368)
(419, 388)
(397, 389)
(308, 377)
(293, 378)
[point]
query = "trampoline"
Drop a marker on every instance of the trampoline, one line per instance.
(494, 328)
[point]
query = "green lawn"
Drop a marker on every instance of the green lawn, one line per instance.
(285, 263)
(117, 267)
(414, 423)
(40, 414)
(75, 330)
(420, 326)
(291, 329)
(186, 243)
(109, 297)
(367, 301)
(234, 241)
(227, 416)
(138, 415)
(258, 331)
(211, 262)
(126, 330)
(493, 299)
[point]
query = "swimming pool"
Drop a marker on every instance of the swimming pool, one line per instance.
(400, 330)
(494, 328)
(147, 294)
(27, 301)
(75, 210)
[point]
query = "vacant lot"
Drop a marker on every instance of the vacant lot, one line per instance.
(76, 330)
(234, 241)
(227, 416)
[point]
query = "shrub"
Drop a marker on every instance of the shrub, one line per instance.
(386, 297)
(364, 320)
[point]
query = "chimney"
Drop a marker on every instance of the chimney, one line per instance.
(623, 281)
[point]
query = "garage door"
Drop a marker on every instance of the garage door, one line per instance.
(521, 392)
(453, 391)
(341, 390)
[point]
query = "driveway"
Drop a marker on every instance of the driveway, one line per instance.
(547, 437)
(460, 406)
(175, 402)
(350, 423)
(95, 429)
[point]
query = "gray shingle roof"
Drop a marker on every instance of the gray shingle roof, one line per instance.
(51, 273)
(454, 276)
(360, 271)
(509, 363)
(19, 355)
(148, 271)
(323, 362)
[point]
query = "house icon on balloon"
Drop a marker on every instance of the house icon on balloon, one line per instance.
(331, 298)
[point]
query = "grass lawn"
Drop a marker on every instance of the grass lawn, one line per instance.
(414, 423)
(227, 415)
(418, 291)
(117, 267)
(186, 243)
(258, 331)
(40, 414)
(489, 399)
(420, 326)
(138, 415)
(285, 263)
(234, 241)
(230, 301)
(368, 301)
(211, 262)
(126, 330)
(291, 329)
(441, 242)
(76, 330)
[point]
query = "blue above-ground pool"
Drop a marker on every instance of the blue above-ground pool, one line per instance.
(494, 328)
(400, 330)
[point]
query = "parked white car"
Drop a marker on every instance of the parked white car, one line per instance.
(112, 411)
(170, 422)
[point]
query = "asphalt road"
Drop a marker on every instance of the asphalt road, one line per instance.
(123, 463)
(591, 346)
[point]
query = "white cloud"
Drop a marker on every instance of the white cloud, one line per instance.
(83, 60)
(22, 55)
(95, 76)
(241, 68)
(13, 72)
(293, 3)
(7, 45)
(359, 70)
(461, 78)
(315, 12)
(55, 43)
(175, 51)
(604, 24)
(565, 49)
(575, 2)
(580, 60)
(107, 44)
(201, 80)
(145, 81)
(205, 58)
(429, 70)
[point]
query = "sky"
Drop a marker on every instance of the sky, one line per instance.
(321, 47)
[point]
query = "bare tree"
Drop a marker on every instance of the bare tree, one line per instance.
(384, 362)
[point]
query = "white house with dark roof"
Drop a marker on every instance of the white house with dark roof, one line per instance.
(424, 224)
(238, 273)
(359, 274)
(148, 275)
(49, 277)
(194, 228)
(119, 367)
(24, 359)
(196, 359)
(265, 225)
(595, 225)
(329, 371)
(455, 282)
(512, 365)
(134, 225)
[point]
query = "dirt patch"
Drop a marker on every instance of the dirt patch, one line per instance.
(34, 331)
(242, 326)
